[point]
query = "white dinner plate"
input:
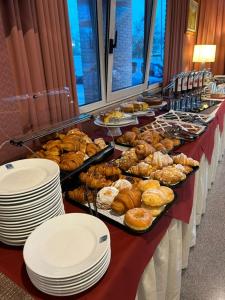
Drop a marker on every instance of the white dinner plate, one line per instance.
(41, 191)
(32, 201)
(72, 279)
(32, 211)
(72, 291)
(26, 175)
(76, 282)
(19, 241)
(29, 221)
(66, 245)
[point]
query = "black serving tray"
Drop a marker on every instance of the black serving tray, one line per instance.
(113, 221)
(66, 178)
(182, 142)
(195, 169)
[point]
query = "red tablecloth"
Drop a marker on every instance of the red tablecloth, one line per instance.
(130, 254)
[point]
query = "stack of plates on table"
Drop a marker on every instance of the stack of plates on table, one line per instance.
(67, 254)
(30, 193)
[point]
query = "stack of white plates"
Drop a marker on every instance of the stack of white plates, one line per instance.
(30, 193)
(68, 254)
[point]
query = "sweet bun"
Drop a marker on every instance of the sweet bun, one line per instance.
(154, 197)
(121, 184)
(155, 211)
(144, 185)
(138, 219)
(169, 194)
(106, 196)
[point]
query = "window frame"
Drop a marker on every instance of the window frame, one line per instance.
(107, 96)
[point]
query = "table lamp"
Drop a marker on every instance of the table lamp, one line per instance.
(204, 54)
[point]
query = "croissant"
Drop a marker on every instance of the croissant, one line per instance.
(76, 132)
(94, 182)
(168, 143)
(184, 160)
(52, 144)
(160, 147)
(100, 143)
(142, 169)
(55, 158)
(92, 149)
(75, 161)
(78, 195)
(127, 138)
(125, 200)
(53, 151)
(161, 160)
(144, 150)
(105, 169)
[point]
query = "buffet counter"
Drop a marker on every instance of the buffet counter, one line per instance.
(147, 266)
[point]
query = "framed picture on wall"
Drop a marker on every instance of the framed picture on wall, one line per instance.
(192, 16)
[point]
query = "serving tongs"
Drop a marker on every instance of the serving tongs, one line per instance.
(93, 211)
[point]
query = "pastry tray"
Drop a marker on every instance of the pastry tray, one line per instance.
(117, 220)
(187, 117)
(176, 185)
(182, 142)
(181, 130)
(66, 177)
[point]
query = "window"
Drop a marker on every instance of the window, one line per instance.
(111, 43)
(84, 34)
(157, 56)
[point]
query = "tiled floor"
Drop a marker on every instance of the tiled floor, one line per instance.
(204, 279)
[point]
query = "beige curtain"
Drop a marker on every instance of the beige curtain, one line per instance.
(175, 28)
(211, 30)
(38, 41)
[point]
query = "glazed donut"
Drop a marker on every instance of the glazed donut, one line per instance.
(138, 218)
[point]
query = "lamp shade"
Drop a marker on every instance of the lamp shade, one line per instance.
(204, 53)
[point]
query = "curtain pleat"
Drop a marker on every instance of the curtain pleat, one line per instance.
(174, 40)
(38, 39)
(212, 31)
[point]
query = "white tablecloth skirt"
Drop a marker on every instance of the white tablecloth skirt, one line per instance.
(161, 279)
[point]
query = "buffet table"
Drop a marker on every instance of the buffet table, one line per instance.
(147, 266)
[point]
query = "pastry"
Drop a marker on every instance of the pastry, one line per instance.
(184, 169)
(169, 175)
(110, 116)
(176, 142)
(100, 143)
(94, 182)
(105, 169)
(76, 132)
(55, 158)
(160, 147)
(155, 211)
(53, 151)
(125, 200)
(169, 194)
(168, 143)
(144, 150)
(127, 138)
(142, 169)
(121, 184)
(144, 185)
(127, 107)
(161, 160)
(52, 144)
(92, 149)
(154, 197)
(138, 219)
(184, 160)
(79, 194)
(106, 196)
(72, 161)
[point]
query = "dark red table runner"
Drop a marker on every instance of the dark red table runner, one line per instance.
(130, 254)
